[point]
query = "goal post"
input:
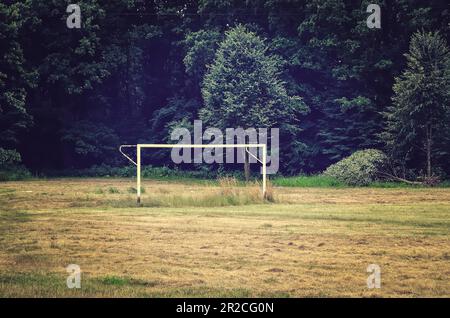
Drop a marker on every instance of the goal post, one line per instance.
(245, 146)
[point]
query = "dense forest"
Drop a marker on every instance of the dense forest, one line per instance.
(136, 69)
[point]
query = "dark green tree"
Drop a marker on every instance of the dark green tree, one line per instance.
(243, 87)
(417, 121)
(15, 78)
(201, 48)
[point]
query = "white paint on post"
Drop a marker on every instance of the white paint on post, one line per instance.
(264, 169)
(138, 176)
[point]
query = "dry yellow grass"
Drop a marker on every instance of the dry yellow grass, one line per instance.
(311, 242)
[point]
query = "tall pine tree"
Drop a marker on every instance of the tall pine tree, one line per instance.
(417, 121)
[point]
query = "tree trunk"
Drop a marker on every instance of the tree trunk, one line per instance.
(246, 166)
(429, 150)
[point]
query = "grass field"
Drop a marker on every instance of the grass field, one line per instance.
(199, 239)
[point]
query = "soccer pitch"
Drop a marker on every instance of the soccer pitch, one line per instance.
(193, 239)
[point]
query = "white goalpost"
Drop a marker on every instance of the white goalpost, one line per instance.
(138, 147)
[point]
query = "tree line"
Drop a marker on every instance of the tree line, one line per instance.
(137, 69)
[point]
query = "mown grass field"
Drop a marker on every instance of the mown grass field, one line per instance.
(198, 239)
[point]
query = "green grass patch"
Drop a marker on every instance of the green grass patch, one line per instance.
(115, 280)
(393, 185)
(321, 181)
(39, 284)
(113, 190)
(317, 181)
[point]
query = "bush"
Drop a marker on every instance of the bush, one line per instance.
(360, 169)
(9, 158)
(10, 167)
(14, 173)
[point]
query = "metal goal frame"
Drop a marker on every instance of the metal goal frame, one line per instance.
(246, 147)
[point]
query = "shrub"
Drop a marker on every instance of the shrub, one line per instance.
(14, 173)
(10, 167)
(360, 169)
(147, 171)
(9, 158)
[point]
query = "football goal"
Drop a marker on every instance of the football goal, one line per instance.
(246, 147)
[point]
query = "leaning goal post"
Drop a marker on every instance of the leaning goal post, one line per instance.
(245, 146)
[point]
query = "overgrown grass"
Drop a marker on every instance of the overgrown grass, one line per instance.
(230, 192)
(210, 200)
(134, 190)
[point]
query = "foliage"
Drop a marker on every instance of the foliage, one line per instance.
(136, 69)
(360, 169)
(9, 157)
(243, 87)
(15, 78)
(417, 132)
(201, 47)
(18, 172)
(10, 166)
(147, 171)
(91, 140)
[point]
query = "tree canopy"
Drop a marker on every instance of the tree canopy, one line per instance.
(243, 87)
(136, 68)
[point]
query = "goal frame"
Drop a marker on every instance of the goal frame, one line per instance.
(245, 146)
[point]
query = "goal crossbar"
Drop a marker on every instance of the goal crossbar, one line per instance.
(138, 147)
